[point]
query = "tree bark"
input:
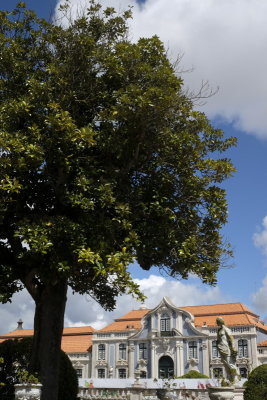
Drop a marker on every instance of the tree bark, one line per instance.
(48, 328)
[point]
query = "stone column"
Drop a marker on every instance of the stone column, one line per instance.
(205, 355)
(179, 367)
(131, 360)
(153, 369)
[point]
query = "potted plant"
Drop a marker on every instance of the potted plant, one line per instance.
(28, 388)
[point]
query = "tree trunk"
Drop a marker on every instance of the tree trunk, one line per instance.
(48, 328)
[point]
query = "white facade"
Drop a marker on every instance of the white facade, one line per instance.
(169, 345)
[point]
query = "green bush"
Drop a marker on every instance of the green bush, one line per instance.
(193, 375)
(16, 359)
(256, 385)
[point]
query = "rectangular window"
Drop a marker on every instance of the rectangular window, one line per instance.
(79, 373)
(215, 353)
(101, 352)
(101, 373)
(192, 350)
(142, 351)
(122, 373)
(122, 351)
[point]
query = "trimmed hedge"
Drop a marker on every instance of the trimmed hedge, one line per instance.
(256, 385)
(193, 375)
(16, 354)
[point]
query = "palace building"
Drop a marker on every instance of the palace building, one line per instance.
(163, 342)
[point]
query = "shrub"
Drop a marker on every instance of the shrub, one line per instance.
(256, 385)
(16, 359)
(193, 375)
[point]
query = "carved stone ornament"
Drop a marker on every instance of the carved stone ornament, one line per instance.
(101, 363)
(77, 364)
(216, 361)
(142, 363)
(131, 347)
(164, 343)
(162, 309)
(28, 392)
(122, 363)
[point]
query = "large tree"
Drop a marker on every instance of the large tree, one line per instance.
(104, 161)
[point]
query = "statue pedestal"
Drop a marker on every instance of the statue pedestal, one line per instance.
(222, 393)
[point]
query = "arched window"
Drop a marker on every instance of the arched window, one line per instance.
(165, 325)
(192, 349)
(101, 352)
(242, 348)
(122, 351)
(215, 352)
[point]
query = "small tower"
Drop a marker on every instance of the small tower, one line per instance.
(20, 323)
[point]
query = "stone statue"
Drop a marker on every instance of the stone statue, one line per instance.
(227, 351)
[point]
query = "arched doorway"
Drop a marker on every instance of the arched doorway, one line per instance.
(166, 367)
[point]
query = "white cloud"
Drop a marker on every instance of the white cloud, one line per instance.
(82, 310)
(225, 42)
(260, 238)
(259, 298)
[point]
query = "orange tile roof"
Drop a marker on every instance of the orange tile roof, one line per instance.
(264, 343)
(74, 340)
(133, 315)
(76, 344)
(214, 309)
(131, 320)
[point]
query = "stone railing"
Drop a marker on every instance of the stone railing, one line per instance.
(141, 394)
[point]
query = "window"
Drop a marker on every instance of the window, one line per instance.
(215, 352)
(143, 374)
(243, 372)
(101, 373)
(242, 348)
(143, 351)
(192, 350)
(79, 373)
(122, 351)
(101, 352)
(122, 373)
(165, 325)
(217, 373)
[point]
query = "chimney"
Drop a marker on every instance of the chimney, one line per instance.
(20, 323)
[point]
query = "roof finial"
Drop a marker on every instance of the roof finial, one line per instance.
(20, 323)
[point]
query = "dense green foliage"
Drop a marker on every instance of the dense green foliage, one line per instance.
(256, 385)
(103, 161)
(16, 359)
(193, 375)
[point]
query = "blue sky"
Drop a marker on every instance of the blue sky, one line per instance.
(225, 43)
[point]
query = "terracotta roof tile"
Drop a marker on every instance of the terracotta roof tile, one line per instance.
(74, 339)
(264, 343)
(122, 326)
(134, 314)
(76, 344)
(229, 308)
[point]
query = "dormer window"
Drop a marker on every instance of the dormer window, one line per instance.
(165, 325)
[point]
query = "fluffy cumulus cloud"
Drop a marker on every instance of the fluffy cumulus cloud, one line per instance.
(260, 238)
(82, 310)
(259, 298)
(224, 42)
